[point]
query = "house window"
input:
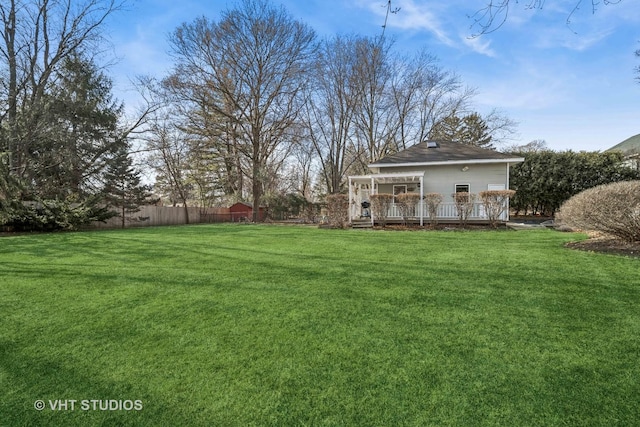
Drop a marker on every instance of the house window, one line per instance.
(462, 188)
(397, 190)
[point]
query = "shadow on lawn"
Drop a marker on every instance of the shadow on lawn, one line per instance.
(33, 377)
(96, 247)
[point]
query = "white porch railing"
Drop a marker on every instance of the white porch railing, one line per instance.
(445, 211)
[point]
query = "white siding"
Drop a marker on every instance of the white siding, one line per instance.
(442, 179)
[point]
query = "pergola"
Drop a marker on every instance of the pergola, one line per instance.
(389, 178)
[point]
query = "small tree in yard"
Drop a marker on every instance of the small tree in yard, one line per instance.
(380, 205)
(495, 202)
(338, 210)
(433, 201)
(123, 189)
(406, 203)
(464, 205)
(613, 209)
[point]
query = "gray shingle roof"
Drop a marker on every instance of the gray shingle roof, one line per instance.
(444, 152)
(628, 146)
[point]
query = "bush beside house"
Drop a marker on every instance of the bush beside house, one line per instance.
(432, 201)
(338, 210)
(495, 202)
(380, 205)
(613, 209)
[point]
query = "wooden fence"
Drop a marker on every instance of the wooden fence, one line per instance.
(149, 216)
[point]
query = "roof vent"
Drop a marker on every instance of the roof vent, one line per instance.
(432, 144)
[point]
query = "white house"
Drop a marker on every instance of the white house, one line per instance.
(630, 149)
(433, 167)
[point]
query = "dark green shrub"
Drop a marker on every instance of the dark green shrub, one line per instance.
(547, 179)
(51, 215)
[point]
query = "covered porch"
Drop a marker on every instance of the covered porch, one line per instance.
(362, 187)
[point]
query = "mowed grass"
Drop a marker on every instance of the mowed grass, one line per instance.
(230, 325)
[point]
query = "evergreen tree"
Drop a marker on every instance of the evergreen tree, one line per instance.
(38, 37)
(475, 131)
(82, 135)
(471, 129)
(75, 136)
(448, 129)
(123, 185)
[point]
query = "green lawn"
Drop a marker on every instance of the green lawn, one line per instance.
(268, 325)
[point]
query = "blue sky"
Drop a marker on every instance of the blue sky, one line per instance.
(572, 86)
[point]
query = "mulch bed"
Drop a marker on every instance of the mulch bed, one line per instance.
(596, 243)
(607, 245)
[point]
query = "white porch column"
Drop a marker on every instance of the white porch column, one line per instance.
(505, 215)
(421, 200)
(350, 199)
(372, 191)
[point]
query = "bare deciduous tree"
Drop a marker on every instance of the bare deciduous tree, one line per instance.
(495, 13)
(367, 102)
(534, 146)
(423, 93)
(36, 37)
(330, 108)
(301, 169)
(375, 118)
(168, 155)
(501, 128)
(253, 63)
(215, 136)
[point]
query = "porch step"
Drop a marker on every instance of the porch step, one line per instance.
(361, 223)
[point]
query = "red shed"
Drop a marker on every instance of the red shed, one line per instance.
(242, 211)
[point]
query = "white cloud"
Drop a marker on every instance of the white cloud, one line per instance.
(439, 20)
(559, 85)
(567, 38)
(526, 86)
(412, 16)
(519, 94)
(479, 45)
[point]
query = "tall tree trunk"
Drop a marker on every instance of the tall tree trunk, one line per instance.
(12, 101)
(257, 190)
(186, 213)
(124, 201)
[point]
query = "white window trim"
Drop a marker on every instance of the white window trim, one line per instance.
(455, 187)
(394, 190)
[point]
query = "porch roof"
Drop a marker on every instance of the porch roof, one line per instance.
(389, 178)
